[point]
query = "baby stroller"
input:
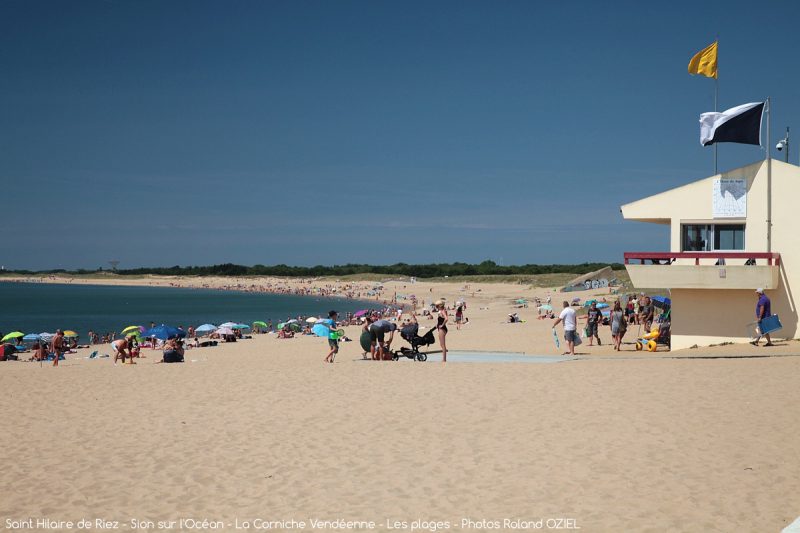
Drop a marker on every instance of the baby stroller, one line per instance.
(410, 334)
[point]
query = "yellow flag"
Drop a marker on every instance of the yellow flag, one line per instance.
(705, 62)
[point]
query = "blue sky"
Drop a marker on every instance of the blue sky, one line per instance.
(315, 132)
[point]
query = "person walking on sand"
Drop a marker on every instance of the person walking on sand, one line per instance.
(763, 310)
(441, 326)
(58, 346)
(619, 325)
(333, 338)
(593, 319)
(569, 319)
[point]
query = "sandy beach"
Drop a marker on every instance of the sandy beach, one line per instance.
(262, 430)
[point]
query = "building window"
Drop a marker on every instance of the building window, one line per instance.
(729, 237)
(710, 237)
(696, 238)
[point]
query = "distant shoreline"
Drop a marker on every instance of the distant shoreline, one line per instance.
(352, 290)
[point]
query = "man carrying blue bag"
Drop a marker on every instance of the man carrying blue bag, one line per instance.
(766, 322)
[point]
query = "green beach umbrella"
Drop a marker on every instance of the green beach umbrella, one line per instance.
(260, 323)
(130, 329)
(12, 335)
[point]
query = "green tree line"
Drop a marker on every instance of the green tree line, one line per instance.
(437, 270)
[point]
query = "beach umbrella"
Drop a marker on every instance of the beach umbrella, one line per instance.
(520, 301)
(321, 330)
(205, 328)
(46, 337)
(31, 337)
(12, 335)
(292, 321)
(228, 325)
(602, 305)
(311, 319)
(225, 331)
(546, 307)
(70, 333)
(138, 329)
(360, 313)
(260, 323)
(240, 326)
(164, 332)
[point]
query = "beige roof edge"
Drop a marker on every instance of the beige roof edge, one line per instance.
(651, 208)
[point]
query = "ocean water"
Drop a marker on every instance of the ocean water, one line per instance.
(39, 307)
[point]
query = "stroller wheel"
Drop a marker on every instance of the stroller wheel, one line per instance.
(639, 346)
(395, 357)
(651, 346)
(422, 357)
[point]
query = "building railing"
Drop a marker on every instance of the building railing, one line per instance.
(666, 258)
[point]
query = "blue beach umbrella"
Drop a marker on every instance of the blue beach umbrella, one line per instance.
(206, 328)
(321, 330)
(164, 332)
(31, 337)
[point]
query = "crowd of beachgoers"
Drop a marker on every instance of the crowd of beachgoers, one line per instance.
(298, 287)
(128, 344)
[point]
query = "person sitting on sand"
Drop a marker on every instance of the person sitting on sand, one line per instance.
(39, 351)
(173, 351)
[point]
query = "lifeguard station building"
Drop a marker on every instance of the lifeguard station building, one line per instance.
(729, 235)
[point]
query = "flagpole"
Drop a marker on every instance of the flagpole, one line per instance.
(716, 98)
(769, 184)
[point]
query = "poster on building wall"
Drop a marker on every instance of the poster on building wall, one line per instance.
(729, 198)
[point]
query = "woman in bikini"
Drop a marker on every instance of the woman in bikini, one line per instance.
(441, 326)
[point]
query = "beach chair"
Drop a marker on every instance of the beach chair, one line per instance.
(759, 328)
